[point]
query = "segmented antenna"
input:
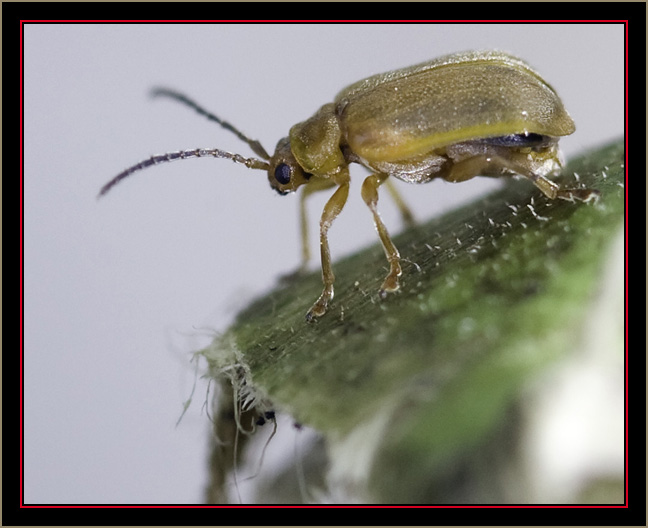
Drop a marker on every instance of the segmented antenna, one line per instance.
(251, 163)
(253, 143)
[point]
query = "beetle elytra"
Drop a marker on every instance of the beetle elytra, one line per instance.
(467, 114)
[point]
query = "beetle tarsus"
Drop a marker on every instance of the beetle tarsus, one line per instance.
(582, 195)
(391, 283)
(320, 306)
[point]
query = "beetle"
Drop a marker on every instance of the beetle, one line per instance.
(458, 116)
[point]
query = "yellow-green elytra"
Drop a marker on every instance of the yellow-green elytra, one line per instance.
(466, 114)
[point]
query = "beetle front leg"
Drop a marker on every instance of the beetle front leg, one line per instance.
(370, 196)
(312, 187)
(332, 208)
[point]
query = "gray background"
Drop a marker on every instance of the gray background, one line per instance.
(119, 292)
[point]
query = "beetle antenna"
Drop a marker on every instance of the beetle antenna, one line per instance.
(253, 143)
(250, 163)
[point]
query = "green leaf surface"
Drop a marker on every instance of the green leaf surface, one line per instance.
(406, 388)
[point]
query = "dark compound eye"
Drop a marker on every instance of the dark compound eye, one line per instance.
(282, 174)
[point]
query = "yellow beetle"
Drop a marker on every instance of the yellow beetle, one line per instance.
(462, 115)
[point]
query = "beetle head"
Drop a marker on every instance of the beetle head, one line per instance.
(285, 174)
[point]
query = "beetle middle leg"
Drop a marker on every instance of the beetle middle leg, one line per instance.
(370, 196)
(332, 208)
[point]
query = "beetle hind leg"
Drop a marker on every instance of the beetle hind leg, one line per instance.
(493, 165)
(552, 190)
(370, 196)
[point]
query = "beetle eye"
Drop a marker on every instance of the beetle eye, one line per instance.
(282, 173)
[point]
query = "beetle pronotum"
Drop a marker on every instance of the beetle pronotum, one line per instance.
(475, 113)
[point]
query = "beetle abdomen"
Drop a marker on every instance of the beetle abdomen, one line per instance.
(409, 112)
